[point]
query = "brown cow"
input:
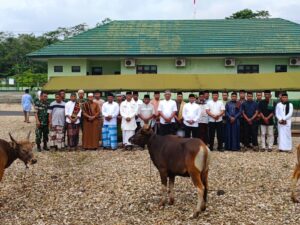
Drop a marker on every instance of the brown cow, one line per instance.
(10, 151)
(174, 156)
(296, 176)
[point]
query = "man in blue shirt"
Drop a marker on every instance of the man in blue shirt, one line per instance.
(250, 112)
(26, 105)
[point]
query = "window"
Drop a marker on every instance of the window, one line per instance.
(140, 69)
(248, 69)
(75, 69)
(281, 68)
(96, 70)
(58, 69)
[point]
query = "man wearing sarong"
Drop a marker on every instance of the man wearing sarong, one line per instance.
(128, 112)
(90, 134)
(42, 121)
(284, 113)
(100, 102)
(73, 115)
(110, 112)
(233, 112)
(57, 123)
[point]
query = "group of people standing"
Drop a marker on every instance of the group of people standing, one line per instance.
(236, 122)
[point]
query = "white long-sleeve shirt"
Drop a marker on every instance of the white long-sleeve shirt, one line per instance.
(167, 107)
(128, 110)
(280, 112)
(191, 111)
(69, 107)
(110, 109)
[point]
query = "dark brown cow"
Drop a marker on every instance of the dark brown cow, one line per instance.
(10, 151)
(174, 156)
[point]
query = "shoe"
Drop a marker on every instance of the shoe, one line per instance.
(39, 149)
(269, 149)
(45, 147)
(263, 150)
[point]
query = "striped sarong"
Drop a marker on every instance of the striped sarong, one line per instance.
(73, 134)
(110, 136)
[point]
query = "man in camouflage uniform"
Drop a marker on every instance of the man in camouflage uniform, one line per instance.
(42, 121)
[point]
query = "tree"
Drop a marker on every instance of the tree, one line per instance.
(249, 14)
(103, 22)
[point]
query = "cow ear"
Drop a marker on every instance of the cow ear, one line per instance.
(12, 139)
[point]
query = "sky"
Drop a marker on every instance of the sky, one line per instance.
(39, 16)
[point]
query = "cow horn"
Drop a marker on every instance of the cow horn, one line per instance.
(11, 138)
(28, 135)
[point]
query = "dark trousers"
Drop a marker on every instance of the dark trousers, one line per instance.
(191, 131)
(242, 130)
(250, 134)
(214, 127)
(203, 132)
(167, 129)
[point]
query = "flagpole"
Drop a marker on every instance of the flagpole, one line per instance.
(195, 10)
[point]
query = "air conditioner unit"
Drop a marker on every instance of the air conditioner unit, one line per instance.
(229, 62)
(294, 61)
(180, 62)
(129, 62)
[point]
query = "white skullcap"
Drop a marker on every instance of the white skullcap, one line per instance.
(80, 91)
(90, 95)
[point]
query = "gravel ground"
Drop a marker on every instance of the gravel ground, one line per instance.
(104, 187)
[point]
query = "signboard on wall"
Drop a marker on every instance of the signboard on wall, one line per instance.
(11, 81)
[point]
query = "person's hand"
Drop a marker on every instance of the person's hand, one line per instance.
(232, 119)
(50, 125)
(217, 117)
(266, 121)
(128, 119)
(38, 124)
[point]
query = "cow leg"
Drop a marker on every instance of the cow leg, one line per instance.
(204, 178)
(196, 178)
(164, 181)
(295, 179)
(171, 189)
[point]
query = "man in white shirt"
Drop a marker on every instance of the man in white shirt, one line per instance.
(167, 110)
(73, 115)
(191, 114)
(203, 118)
(110, 112)
(215, 110)
(146, 111)
(284, 113)
(138, 102)
(128, 111)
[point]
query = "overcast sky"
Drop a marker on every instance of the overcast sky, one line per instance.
(38, 16)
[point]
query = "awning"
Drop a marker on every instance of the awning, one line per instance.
(175, 82)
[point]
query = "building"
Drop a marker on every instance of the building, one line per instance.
(245, 47)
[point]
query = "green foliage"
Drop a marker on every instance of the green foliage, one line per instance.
(249, 14)
(29, 79)
(14, 48)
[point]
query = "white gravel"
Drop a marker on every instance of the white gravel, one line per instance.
(104, 187)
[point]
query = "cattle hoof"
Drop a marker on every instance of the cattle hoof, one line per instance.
(295, 200)
(195, 214)
(161, 204)
(171, 201)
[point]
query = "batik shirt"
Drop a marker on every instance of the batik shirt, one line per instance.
(41, 108)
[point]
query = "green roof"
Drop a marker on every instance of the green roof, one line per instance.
(182, 38)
